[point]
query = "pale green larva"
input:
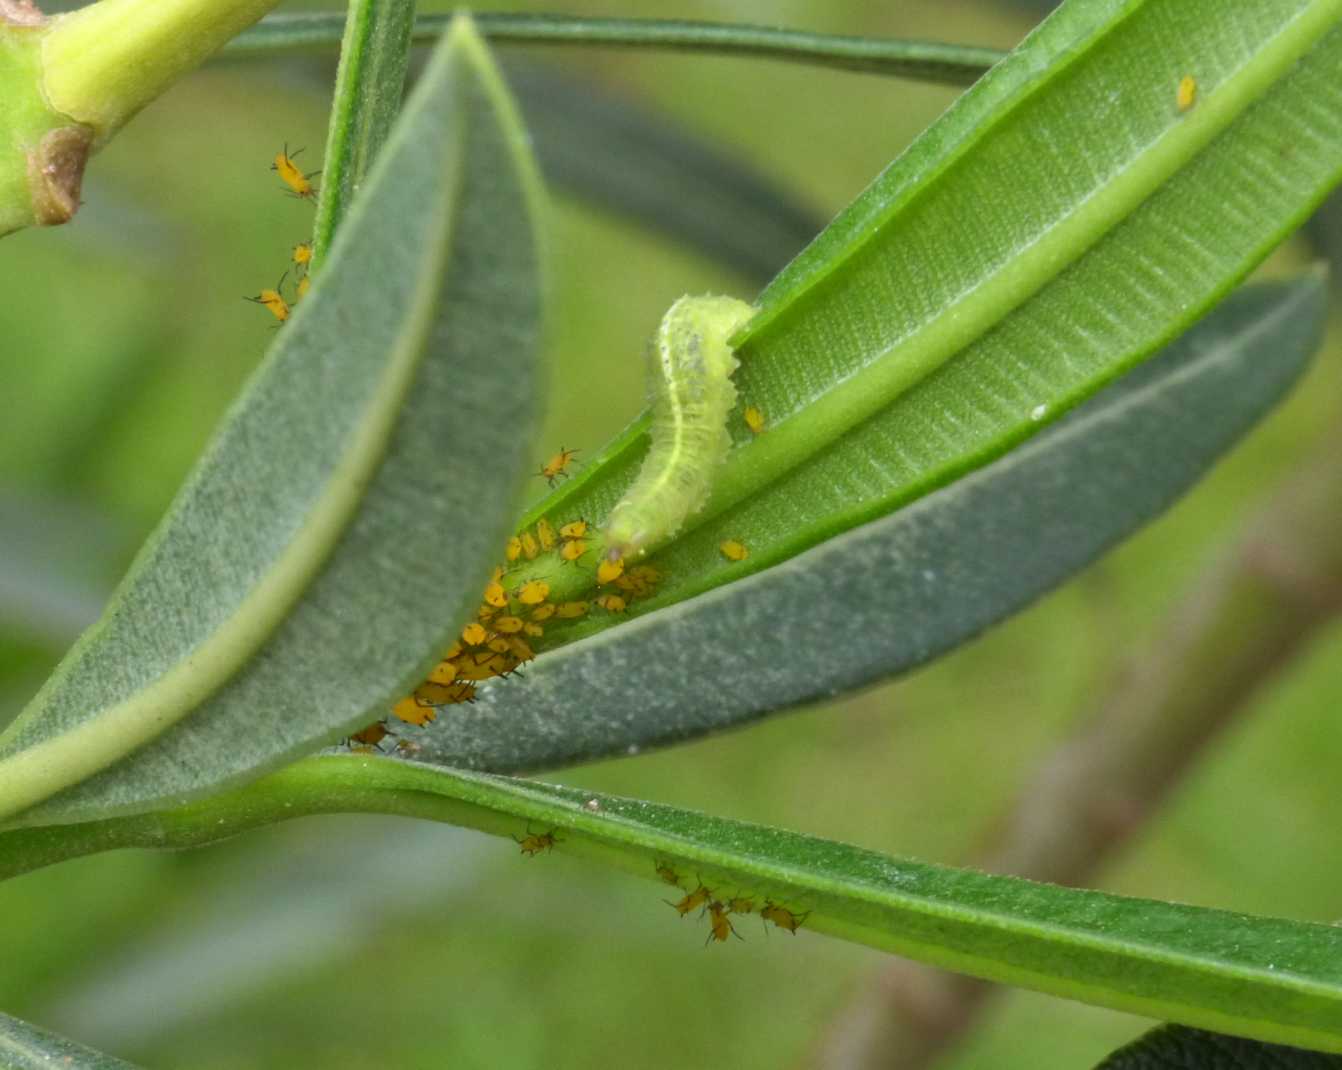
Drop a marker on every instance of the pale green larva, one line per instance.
(690, 381)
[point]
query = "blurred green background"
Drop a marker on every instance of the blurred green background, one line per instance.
(359, 942)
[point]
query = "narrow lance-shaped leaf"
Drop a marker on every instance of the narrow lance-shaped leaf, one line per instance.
(1062, 221)
(900, 591)
(1267, 978)
(1176, 1047)
(373, 61)
(333, 536)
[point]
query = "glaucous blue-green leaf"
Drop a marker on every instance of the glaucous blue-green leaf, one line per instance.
(339, 527)
(26, 1047)
(896, 592)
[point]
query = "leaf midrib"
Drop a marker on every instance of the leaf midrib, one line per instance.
(899, 366)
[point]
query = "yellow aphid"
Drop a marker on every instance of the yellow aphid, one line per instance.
(571, 610)
(754, 419)
(692, 901)
(544, 611)
(573, 549)
(435, 694)
(533, 630)
(666, 873)
(557, 466)
(474, 634)
(412, 711)
(461, 691)
(533, 593)
(609, 570)
(443, 673)
(733, 550)
(574, 529)
(514, 550)
(292, 177)
(529, 545)
(273, 300)
(545, 532)
(782, 917)
(495, 595)
(719, 924)
(508, 625)
(302, 254)
(520, 649)
(485, 668)
(612, 603)
(304, 285)
(533, 844)
(640, 581)
(371, 736)
(741, 905)
(1187, 93)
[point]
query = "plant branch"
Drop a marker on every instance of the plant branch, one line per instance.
(929, 61)
(1254, 609)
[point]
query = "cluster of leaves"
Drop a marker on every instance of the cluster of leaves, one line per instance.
(945, 442)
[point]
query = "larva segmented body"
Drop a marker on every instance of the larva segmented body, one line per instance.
(690, 373)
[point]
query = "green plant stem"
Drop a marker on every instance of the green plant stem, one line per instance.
(929, 61)
(369, 85)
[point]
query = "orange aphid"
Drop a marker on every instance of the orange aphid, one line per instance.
(557, 466)
(443, 673)
(474, 634)
(508, 625)
(302, 254)
(533, 593)
(719, 924)
(573, 549)
(514, 550)
(574, 529)
(273, 300)
(609, 570)
(371, 736)
(544, 612)
(733, 550)
(412, 711)
(571, 610)
(782, 917)
(612, 603)
(545, 532)
(754, 419)
(298, 182)
(304, 285)
(666, 873)
(533, 844)
(529, 545)
(1187, 93)
(495, 595)
(533, 630)
(694, 899)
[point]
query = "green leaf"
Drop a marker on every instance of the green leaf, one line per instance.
(1268, 978)
(369, 85)
(25, 1047)
(340, 526)
(1176, 1047)
(1061, 222)
(623, 158)
(900, 591)
(923, 60)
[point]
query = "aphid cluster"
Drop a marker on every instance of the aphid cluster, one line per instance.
(297, 185)
(719, 911)
(515, 609)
